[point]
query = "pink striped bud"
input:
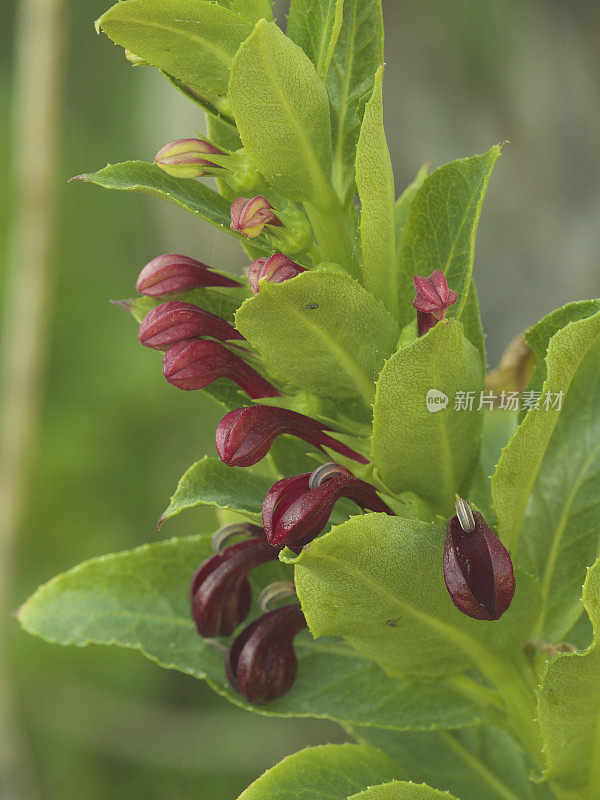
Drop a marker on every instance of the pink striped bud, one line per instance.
(250, 216)
(276, 269)
(433, 297)
(176, 274)
(195, 364)
(185, 158)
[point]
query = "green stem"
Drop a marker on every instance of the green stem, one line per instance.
(519, 703)
(332, 232)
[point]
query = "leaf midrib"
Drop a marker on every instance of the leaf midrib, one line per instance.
(478, 654)
(322, 49)
(558, 534)
(343, 107)
(321, 184)
(448, 472)
(511, 537)
(357, 375)
(219, 52)
(479, 767)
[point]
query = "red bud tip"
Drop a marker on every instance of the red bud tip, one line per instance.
(184, 158)
(276, 269)
(245, 436)
(250, 216)
(195, 364)
(433, 297)
(176, 274)
(175, 321)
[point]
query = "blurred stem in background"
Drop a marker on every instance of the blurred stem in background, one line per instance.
(36, 119)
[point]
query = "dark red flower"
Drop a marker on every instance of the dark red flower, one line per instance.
(276, 269)
(261, 663)
(175, 320)
(245, 435)
(297, 509)
(478, 570)
(220, 592)
(172, 273)
(433, 297)
(194, 364)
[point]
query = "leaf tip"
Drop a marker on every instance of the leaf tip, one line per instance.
(83, 177)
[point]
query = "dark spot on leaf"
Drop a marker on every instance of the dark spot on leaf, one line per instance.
(393, 623)
(311, 307)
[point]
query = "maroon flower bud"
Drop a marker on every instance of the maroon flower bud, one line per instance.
(194, 364)
(477, 568)
(296, 509)
(245, 435)
(176, 274)
(433, 297)
(276, 269)
(250, 216)
(261, 663)
(175, 321)
(220, 592)
(185, 158)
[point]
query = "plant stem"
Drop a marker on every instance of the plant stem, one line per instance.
(332, 232)
(37, 93)
(520, 705)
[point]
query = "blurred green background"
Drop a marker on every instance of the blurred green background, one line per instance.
(110, 437)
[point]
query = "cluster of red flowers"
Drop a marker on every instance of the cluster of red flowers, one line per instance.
(201, 347)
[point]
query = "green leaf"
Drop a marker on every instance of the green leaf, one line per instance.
(474, 763)
(189, 194)
(320, 331)
(498, 427)
(140, 599)
(375, 569)
(569, 709)
(402, 790)
(471, 320)
(358, 53)
(329, 772)
(432, 453)
(282, 114)
(193, 41)
(375, 183)
(538, 337)
(315, 26)
(209, 482)
(545, 487)
(441, 227)
(253, 9)
(404, 202)
(222, 302)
